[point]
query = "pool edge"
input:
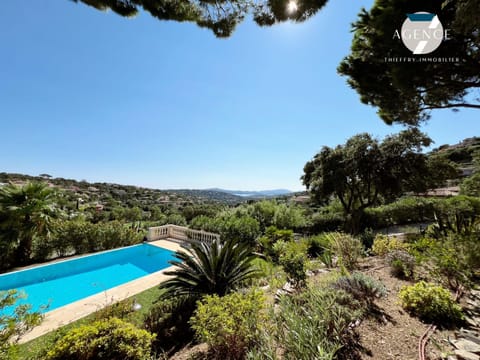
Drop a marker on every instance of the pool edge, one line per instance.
(74, 311)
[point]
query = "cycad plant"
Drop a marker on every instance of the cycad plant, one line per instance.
(210, 268)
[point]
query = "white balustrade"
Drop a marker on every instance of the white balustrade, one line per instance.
(180, 233)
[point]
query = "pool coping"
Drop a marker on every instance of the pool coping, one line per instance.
(72, 312)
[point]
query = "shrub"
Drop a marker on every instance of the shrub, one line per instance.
(229, 324)
(265, 347)
(114, 234)
(411, 210)
(431, 303)
(240, 228)
(205, 223)
(176, 219)
(471, 185)
(119, 309)
(271, 237)
(455, 257)
(450, 257)
(268, 273)
(229, 225)
(347, 248)
(421, 247)
(294, 261)
(168, 319)
(73, 237)
(264, 267)
(263, 211)
(278, 249)
(382, 244)
(362, 287)
(14, 323)
(403, 211)
(457, 214)
(106, 339)
(471, 247)
(315, 323)
(321, 246)
(327, 258)
(79, 237)
(327, 222)
(401, 263)
(317, 245)
(289, 217)
(367, 237)
(272, 212)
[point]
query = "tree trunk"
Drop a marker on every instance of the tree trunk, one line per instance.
(353, 222)
(24, 250)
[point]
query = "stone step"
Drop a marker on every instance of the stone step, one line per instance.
(465, 355)
(475, 293)
(472, 321)
(467, 345)
(470, 337)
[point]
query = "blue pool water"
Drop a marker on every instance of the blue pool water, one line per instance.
(64, 282)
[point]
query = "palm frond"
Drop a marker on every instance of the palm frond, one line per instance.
(209, 268)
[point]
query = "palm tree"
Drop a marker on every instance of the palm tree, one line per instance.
(26, 212)
(209, 268)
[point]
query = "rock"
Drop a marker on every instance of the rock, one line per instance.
(475, 293)
(278, 294)
(467, 345)
(465, 355)
(471, 336)
(469, 312)
(310, 273)
(466, 331)
(285, 290)
(475, 304)
(355, 324)
(471, 321)
(452, 357)
(288, 287)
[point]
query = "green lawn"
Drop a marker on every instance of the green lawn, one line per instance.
(32, 349)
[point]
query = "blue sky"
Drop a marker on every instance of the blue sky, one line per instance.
(91, 95)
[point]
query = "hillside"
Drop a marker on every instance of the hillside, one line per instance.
(462, 153)
(126, 194)
(144, 196)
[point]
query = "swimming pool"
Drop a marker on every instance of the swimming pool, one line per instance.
(64, 282)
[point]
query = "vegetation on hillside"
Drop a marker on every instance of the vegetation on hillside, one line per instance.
(269, 252)
(364, 173)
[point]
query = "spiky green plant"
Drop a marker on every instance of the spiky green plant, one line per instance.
(315, 324)
(209, 268)
(362, 287)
